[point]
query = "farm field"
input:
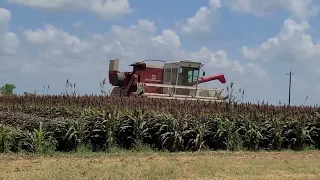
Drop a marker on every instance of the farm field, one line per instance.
(100, 137)
(150, 165)
(41, 124)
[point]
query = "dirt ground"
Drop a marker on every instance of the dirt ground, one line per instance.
(203, 165)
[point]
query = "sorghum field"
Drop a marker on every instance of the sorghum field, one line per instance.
(41, 124)
(53, 137)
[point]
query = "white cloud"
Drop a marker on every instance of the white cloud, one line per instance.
(52, 55)
(203, 21)
(214, 4)
(292, 44)
(168, 37)
(234, 70)
(56, 42)
(201, 24)
(302, 9)
(106, 9)
(9, 41)
(293, 48)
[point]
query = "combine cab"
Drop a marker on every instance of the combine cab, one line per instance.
(172, 80)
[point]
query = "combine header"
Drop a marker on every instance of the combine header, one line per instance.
(172, 80)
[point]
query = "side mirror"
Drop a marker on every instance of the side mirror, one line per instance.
(203, 73)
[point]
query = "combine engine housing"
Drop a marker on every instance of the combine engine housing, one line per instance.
(179, 79)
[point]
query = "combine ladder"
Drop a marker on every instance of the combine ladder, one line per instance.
(128, 86)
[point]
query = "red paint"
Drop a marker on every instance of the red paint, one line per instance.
(220, 77)
(150, 75)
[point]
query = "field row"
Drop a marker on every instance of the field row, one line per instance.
(56, 128)
(65, 123)
(174, 107)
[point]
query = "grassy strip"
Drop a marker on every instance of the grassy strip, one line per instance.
(121, 164)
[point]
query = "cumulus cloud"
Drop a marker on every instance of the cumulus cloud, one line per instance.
(301, 9)
(106, 9)
(55, 53)
(293, 43)
(168, 37)
(202, 22)
(215, 4)
(235, 71)
(56, 42)
(9, 41)
(293, 48)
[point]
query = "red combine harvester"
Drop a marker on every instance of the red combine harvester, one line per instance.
(172, 80)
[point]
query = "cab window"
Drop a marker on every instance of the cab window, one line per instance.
(195, 75)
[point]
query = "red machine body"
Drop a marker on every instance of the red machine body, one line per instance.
(127, 82)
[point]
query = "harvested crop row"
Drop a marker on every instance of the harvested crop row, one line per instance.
(24, 121)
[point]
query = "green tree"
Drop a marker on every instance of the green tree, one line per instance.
(7, 89)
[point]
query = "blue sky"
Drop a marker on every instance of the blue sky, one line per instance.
(48, 42)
